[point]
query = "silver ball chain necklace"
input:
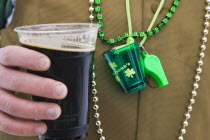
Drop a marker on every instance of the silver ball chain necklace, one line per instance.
(198, 72)
(195, 83)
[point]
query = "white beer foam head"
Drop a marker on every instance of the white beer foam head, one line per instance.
(59, 37)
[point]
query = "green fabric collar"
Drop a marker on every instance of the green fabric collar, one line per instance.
(5, 11)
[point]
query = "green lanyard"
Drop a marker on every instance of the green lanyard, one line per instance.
(128, 13)
(152, 64)
(153, 21)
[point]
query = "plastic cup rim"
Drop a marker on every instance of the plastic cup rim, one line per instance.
(23, 29)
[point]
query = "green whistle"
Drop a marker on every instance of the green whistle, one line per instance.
(154, 69)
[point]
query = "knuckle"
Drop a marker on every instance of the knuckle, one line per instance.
(13, 82)
(6, 54)
(2, 69)
(21, 131)
(9, 107)
(4, 126)
(49, 84)
(36, 112)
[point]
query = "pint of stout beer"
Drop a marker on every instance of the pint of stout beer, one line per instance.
(70, 47)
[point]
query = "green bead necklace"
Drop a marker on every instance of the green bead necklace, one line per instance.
(97, 9)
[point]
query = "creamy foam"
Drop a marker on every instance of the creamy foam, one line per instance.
(78, 37)
(73, 42)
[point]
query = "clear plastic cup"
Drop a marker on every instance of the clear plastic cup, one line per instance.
(70, 47)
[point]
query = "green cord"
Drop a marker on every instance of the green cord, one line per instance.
(128, 13)
(153, 21)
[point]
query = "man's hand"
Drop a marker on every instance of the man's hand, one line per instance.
(13, 80)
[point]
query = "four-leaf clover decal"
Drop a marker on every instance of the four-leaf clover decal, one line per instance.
(130, 72)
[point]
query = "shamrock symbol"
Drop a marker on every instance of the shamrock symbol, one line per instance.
(130, 72)
(112, 65)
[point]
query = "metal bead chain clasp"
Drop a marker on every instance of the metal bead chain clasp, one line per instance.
(198, 73)
(96, 106)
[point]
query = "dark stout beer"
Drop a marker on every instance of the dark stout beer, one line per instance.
(75, 70)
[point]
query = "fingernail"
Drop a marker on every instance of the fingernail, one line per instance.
(40, 130)
(43, 62)
(60, 91)
(54, 112)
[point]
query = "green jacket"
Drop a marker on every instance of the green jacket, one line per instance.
(5, 11)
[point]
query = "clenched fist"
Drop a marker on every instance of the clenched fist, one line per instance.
(18, 81)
